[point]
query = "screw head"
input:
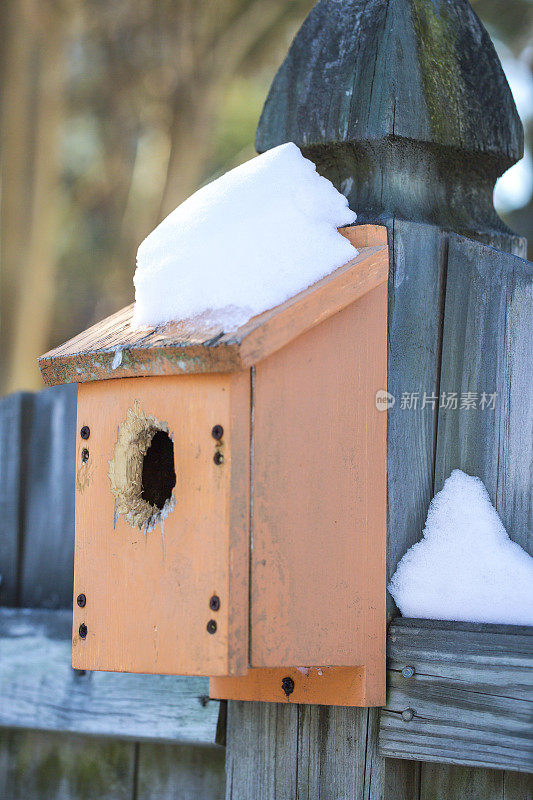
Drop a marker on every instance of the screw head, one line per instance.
(217, 432)
(408, 672)
(211, 626)
(85, 432)
(214, 603)
(218, 458)
(84, 455)
(287, 684)
(408, 715)
(82, 630)
(81, 600)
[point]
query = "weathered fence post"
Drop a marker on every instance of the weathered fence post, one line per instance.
(405, 107)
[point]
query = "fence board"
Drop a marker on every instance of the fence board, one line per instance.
(471, 694)
(517, 786)
(272, 772)
(37, 766)
(447, 782)
(460, 783)
(488, 347)
(176, 772)
(39, 689)
(15, 421)
(402, 779)
(48, 521)
(288, 763)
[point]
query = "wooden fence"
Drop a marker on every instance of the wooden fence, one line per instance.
(458, 693)
(404, 106)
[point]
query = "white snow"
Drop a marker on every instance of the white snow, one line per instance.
(466, 567)
(244, 243)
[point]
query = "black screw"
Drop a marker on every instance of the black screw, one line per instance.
(84, 455)
(82, 630)
(85, 432)
(81, 600)
(218, 458)
(211, 626)
(217, 432)
(214, 603)
(287, 684)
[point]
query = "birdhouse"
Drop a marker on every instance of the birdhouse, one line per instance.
(231, 493)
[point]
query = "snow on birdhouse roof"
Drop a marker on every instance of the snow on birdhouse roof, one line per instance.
(242, 266)
(115, 348)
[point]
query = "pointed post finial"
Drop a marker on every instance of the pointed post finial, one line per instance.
(404, 105)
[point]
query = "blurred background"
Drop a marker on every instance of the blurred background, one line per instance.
(112, 113)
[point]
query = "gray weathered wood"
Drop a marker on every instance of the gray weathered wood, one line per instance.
(397, 103)
(442, 781)
(517, 786)
(402, 779)
(15, 421)
(460, 783)
(416, 292)
(488, 347)
(39, 689)
(37, 766)
(471, 694)
(467, 783)
(262, 752)
(178, 772)
(285, 732)
(48, 521)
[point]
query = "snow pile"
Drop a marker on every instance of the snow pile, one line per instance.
(465, 567)
(246, 242)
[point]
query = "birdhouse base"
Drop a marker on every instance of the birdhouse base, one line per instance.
(327, 686)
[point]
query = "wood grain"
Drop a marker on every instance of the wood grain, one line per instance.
(471, 694)
(148, 593)
(319, 498)
(196, 346)
(15, 423)
(405, 107)
(416, 300)
(178, 772)
(37, 766)
(40, 690)
(280, 768)
(48, 521)
(488, 347)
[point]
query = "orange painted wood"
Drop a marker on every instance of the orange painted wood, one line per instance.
(329, 686)
(319, 497)
(365, 235)
(192, 346)
(272, 330)
(148, 593)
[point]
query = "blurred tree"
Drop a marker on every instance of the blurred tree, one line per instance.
(109, 119)
(111, 114)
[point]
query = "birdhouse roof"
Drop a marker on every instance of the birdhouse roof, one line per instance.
(113, 349)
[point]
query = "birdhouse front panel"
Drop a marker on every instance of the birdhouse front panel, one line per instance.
(161, 554)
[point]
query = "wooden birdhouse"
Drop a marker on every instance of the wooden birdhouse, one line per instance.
(231, 493)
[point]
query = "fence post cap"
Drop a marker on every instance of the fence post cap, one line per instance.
(365, 70)
(404, 106)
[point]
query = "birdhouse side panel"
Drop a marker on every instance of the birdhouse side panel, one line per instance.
(319, 496)
(167, 594)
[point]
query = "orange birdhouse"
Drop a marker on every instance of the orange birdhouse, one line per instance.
(231, 493)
